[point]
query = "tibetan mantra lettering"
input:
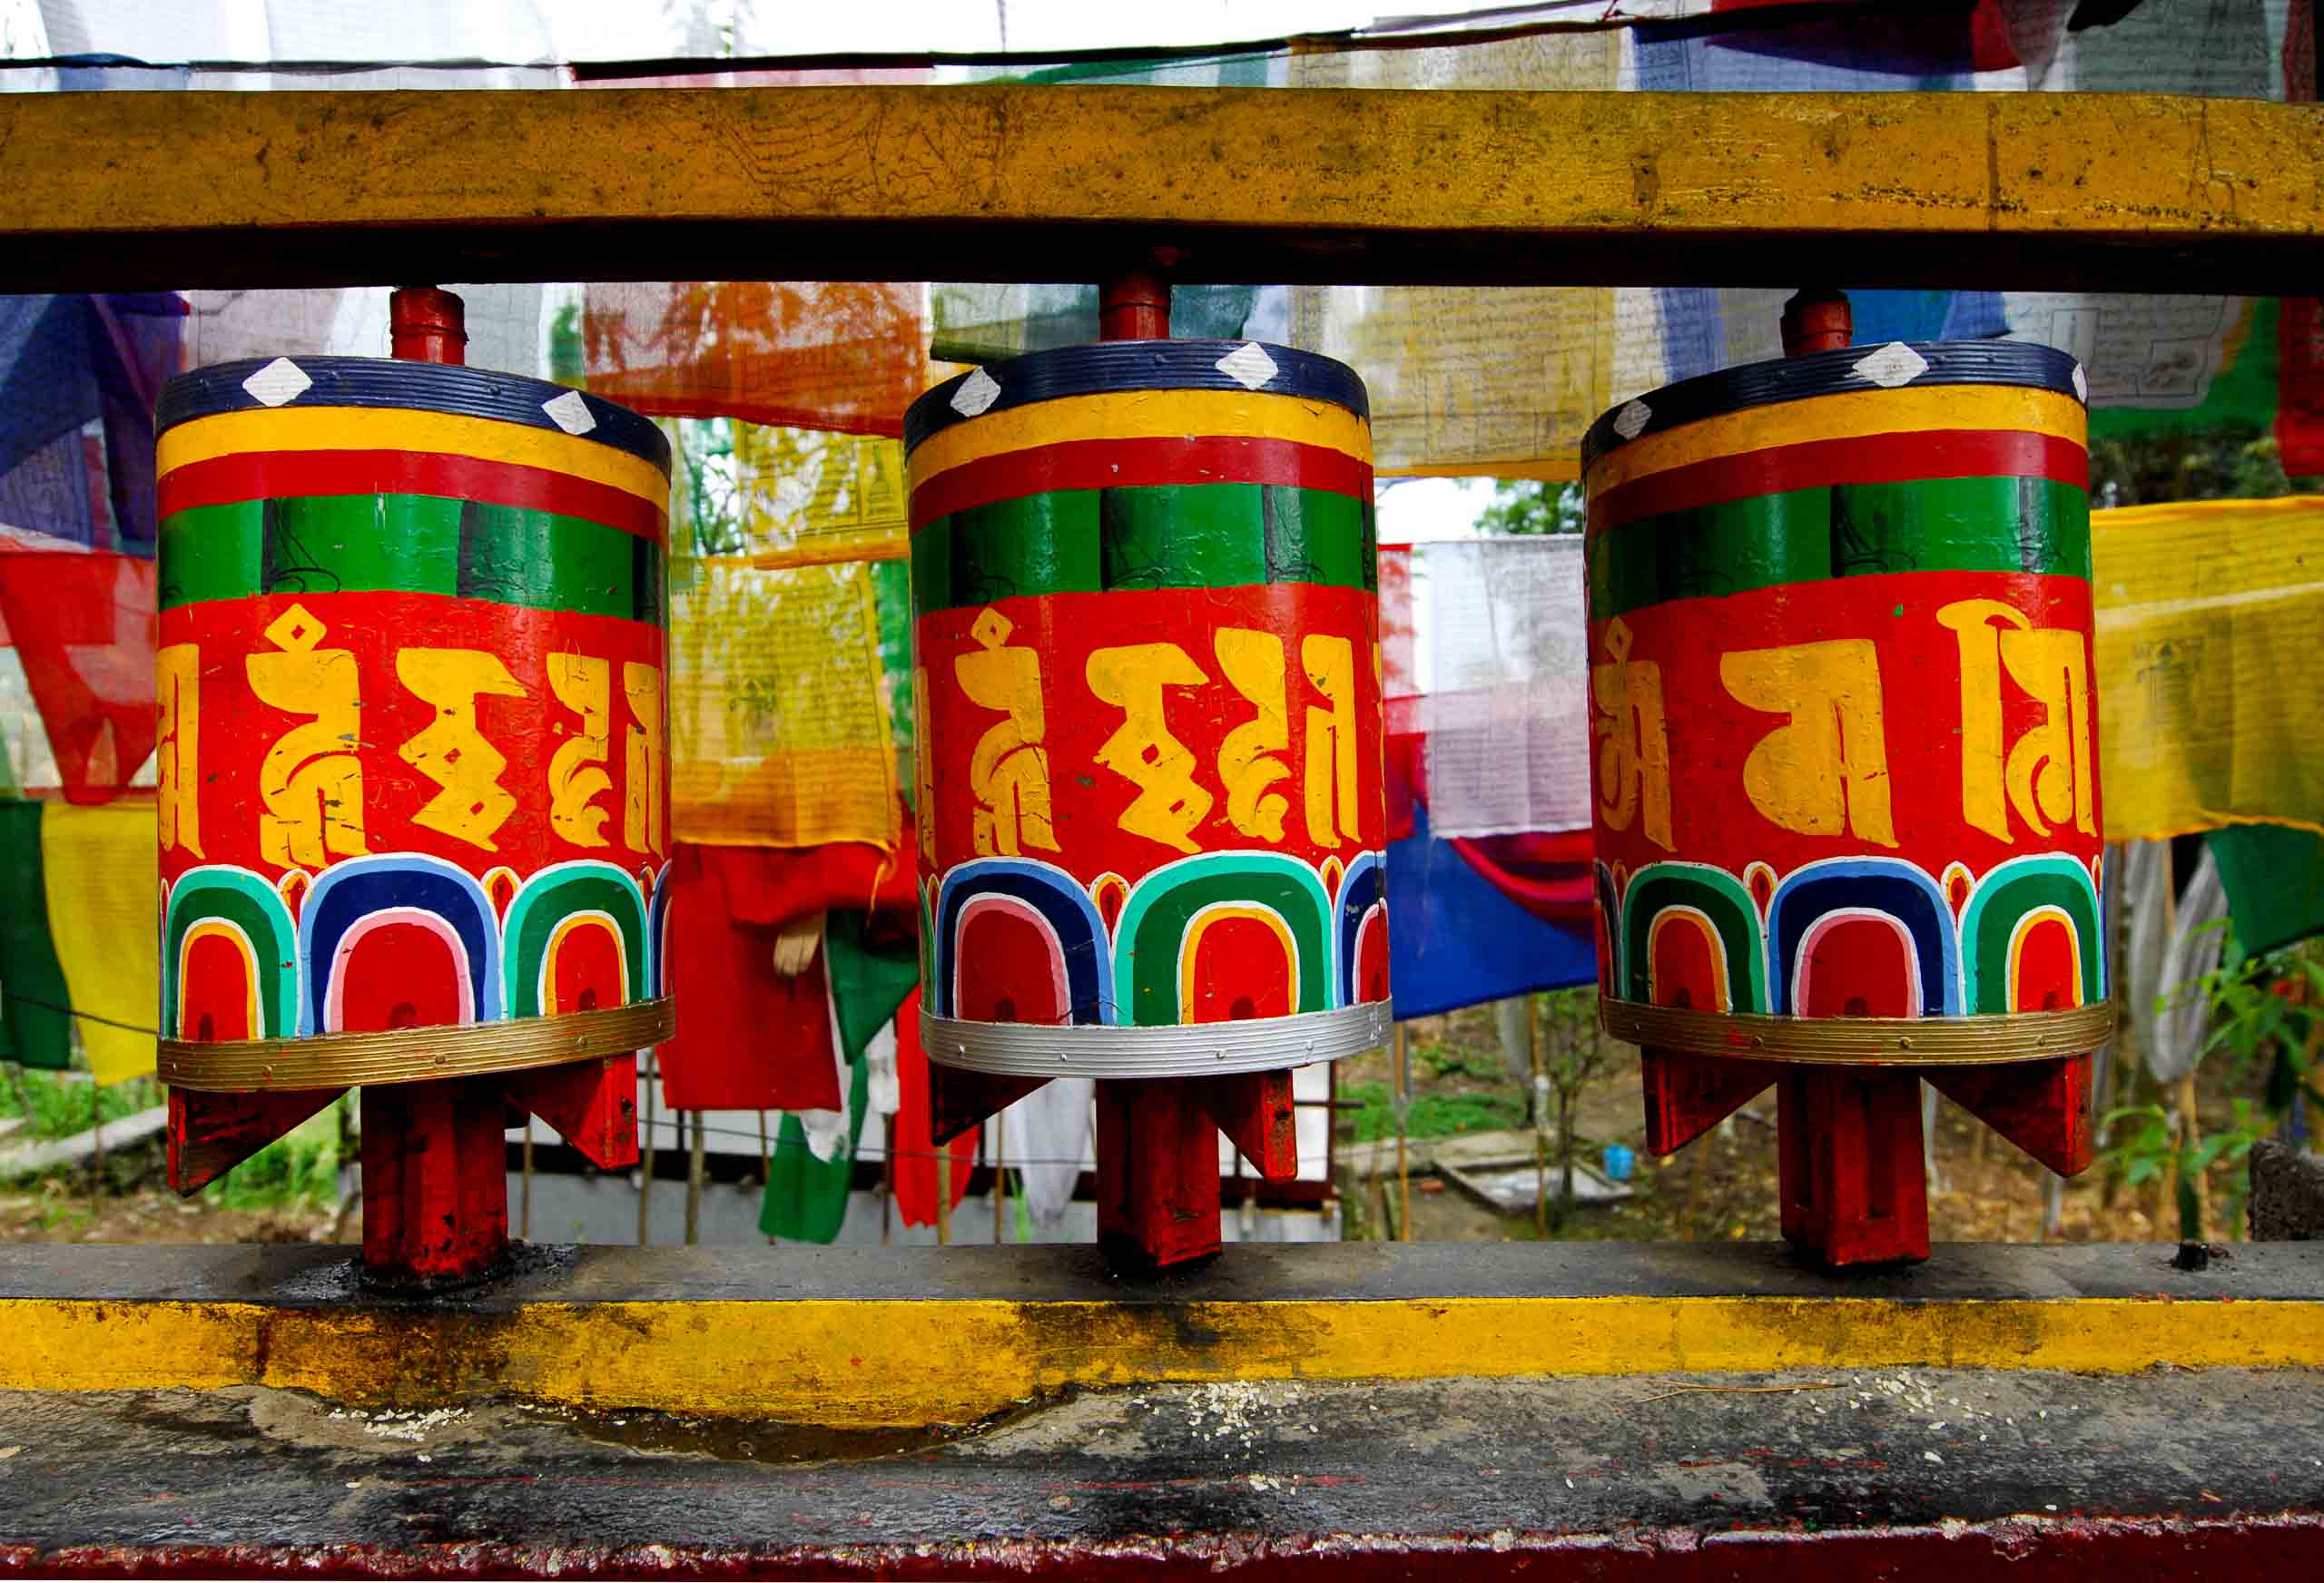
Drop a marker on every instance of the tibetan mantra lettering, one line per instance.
(1844, 741)
(1147, 679)
(413, 773)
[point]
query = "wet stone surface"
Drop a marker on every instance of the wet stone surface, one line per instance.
(278, 1478)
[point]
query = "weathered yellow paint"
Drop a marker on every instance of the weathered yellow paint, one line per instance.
(1143, 415)
(374, 428)
(1849, 415)
(873, 1364)
(1031, 181)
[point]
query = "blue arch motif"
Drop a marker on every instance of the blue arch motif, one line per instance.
(657, 933)
(348, 893)
(1364, 887)
(1888, 886)
(1063, 904)
(1169, 901)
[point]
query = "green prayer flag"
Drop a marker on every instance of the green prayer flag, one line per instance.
(806, 1198)
(33, 1000)
(2274, 878)
(869, 982)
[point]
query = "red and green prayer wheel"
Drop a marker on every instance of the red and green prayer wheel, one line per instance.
(1146, 682)
(414, 778)
(1844, 731)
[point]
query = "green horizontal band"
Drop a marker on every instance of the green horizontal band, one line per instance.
(1805, 535)
(1159, 535)
(408, 544)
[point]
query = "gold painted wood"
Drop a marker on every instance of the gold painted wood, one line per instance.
(860, 1364)
(1009, 182)
(1844, 1041)
(413, 1055)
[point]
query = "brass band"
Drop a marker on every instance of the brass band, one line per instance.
(414, 1055)
(2017, 1035)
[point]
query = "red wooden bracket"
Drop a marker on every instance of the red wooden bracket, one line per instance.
(958, 1099)
(593, 1105)
(2041, 1107)
(1687, 1094)
(1158, 1172)
(1254, 1109)
(1852, 1182)
(435, 1182)
(210, 1133)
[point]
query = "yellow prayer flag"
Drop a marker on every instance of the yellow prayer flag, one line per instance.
(104, 921)
(2209, 617)
(779, 726)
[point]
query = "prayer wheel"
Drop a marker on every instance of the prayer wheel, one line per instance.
(1147, 686)
(1844, 733)
(414, 785)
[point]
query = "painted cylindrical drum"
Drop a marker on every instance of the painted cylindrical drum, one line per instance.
(413, 764)
(1147, 684)
(1845, 739)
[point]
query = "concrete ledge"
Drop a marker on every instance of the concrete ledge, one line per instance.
(864, 1339)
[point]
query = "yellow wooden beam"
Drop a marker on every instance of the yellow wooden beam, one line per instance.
(1008, 182)
(881, 1362)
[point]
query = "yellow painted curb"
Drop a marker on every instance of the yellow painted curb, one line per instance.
(885, 1362)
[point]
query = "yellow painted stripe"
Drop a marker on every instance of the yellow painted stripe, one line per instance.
(385, 428)
(1849, 415)
(875, 1363)
(1143, 415)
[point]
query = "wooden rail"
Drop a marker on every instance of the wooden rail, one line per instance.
(1006, 182)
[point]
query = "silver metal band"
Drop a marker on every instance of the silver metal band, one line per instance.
(1208, 1049)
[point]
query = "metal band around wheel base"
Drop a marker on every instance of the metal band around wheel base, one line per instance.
(414, 1055)
(1208, 1049)
(2017, 1035)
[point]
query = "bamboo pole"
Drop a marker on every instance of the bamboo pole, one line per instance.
(694, 1163)
(646, 1153)
(1000, 1200)
(943, 1197)
(1403, 1161)
(1540, 1115)
(524, 1210)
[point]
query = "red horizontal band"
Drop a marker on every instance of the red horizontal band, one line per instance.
(1874, 458)
(289, 475)
(1103, 464)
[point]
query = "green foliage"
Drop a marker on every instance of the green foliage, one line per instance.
(1529, 505)
(1432, 1115)
(1446, 1060)
(2230, 462)
(2264, 1013)
(59, 1104)
(297, 1171)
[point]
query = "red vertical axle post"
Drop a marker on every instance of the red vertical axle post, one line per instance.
(1157, 1142)
(1854, 1185)
(435, 1171)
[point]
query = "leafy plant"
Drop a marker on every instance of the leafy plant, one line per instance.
(2266, 1011)
(1432, 1115)
(1530, 505)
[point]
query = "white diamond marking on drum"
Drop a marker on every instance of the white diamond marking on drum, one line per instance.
(1247, 365)
(1632, 420)
(570, 413)
(2081, 385)
(1893, 365)
(976, 392)
(280, 380)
